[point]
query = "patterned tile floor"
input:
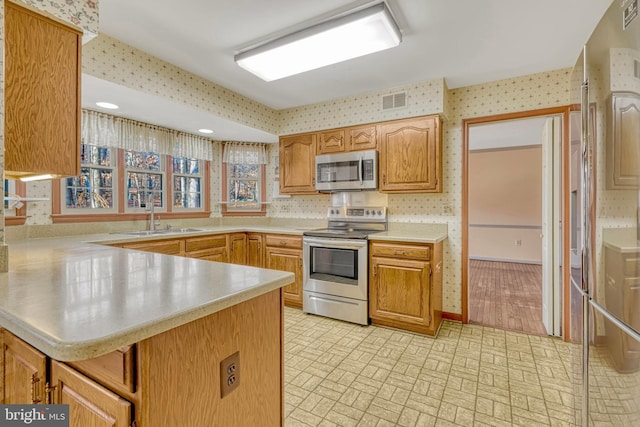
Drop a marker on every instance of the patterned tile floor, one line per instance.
(341, 374)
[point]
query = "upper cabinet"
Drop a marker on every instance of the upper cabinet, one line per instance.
(331, 141)
(410, 156)
(623, 148)
(42, 94)
(297, 164)
(355, 138)
(362, 138)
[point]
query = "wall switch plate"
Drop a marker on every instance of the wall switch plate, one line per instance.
(229, 374)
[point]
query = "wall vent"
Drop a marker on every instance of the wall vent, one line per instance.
(396, 100)
(636, 68)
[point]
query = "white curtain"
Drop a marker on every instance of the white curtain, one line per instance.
(244, 152)
(106, 130)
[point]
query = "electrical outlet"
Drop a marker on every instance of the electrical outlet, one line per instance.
(229, 374)
(447, 209)
(518, 242)
(284, 208)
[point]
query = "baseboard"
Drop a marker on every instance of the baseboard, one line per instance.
(517, 261)
(452, 316)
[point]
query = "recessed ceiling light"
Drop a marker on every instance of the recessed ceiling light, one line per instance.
(205, 131)
(107, 105)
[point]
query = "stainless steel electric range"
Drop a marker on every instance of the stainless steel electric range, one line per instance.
(335, 265)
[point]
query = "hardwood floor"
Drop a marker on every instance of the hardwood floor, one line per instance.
(506, 295)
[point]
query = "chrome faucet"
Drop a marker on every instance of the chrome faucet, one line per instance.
(152, 216)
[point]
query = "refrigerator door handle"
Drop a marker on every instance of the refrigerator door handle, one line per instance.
(620, 324)
(586, 186)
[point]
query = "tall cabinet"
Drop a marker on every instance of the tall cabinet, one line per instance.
(42, 94)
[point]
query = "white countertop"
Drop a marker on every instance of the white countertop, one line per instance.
(624, 240)
(74, 301)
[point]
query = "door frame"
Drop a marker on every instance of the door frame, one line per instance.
(466, 124)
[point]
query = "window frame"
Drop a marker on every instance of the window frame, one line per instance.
(114, 187)
(200, 175)
(163, 182)
(228, 211)
(122, 214)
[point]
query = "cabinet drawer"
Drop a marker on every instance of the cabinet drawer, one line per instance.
(284, 241)
(631, 266)
(115, 370)
(401, 251)
(167, 247)
(207, 242)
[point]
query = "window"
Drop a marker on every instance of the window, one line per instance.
(187, 183)
(95, 189)
(144, 177)
(243, 181)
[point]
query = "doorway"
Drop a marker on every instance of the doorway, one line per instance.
(513, 209)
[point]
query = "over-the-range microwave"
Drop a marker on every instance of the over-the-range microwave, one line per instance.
(357, 170)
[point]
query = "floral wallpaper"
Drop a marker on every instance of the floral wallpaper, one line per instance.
(531, 92)
(422, 99)
(109, 59)
(83, 13)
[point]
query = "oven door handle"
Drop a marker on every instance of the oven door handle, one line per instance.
(336, 243)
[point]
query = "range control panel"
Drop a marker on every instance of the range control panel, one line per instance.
(357, 213)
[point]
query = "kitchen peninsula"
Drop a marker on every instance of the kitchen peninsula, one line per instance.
(126, 336)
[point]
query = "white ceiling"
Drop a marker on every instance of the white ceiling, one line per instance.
(465, 41)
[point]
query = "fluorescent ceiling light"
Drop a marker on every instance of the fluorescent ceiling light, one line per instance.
(107, 105)
(36, 177)
(345, 37)
(205, 131)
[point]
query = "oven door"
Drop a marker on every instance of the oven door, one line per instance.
(335, 266)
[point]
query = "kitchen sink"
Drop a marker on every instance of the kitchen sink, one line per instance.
(163, 231)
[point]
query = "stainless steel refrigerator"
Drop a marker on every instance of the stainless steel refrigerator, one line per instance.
(605, 222)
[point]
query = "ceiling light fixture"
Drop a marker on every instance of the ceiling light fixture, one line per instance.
(344, 37)
(205, 131)
(107, 105)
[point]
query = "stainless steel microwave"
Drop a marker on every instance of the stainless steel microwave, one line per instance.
(357, 170)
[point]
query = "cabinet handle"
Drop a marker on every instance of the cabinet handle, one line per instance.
(48, 390)
(283, 243)
(375, 270)
(384, 178)
(35, 389)
(399, 252)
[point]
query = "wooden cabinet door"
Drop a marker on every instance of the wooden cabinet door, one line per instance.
(623, 151)
(42, 94)
(238, 248)
(254, 250)
(25, 371)
(297, 164)
(410, 156)
(287, 260)
(399, 291)
(90, 404)
(167, 247)
(331, 141)
(362, 138)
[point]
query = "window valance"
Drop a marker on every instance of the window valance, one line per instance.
(111, 131)
(244, 152)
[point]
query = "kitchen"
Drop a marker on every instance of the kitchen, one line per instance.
(124, 65)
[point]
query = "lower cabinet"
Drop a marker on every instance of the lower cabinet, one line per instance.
(30, 377)
(90, 404)
(285, 253)
(238, 248)
(255, 254)
(210, 248)
(405, 286)
(170, 379)
(25, 371)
